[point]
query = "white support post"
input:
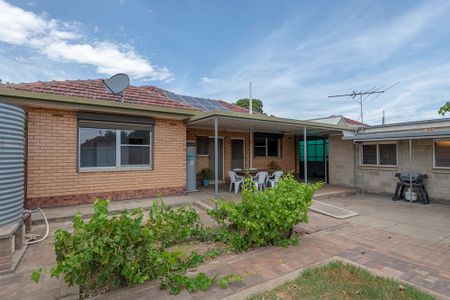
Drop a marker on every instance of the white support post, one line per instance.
(410, 172)
(305, 156)
(216, 158)
(325, 158)
(251, 150)
(361, 159)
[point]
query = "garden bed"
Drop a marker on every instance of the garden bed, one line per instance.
(123, 250)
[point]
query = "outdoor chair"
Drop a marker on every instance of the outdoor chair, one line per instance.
(273, 180)
(237, 170)
(260, 180)
(235, 180)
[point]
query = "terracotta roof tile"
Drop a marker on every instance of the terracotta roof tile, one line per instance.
(95, 89)
(353, 122)
(233, 107)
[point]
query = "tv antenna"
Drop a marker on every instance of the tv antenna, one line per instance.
(117, 83)
(361, 96)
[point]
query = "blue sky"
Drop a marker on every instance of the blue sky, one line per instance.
(295, 53)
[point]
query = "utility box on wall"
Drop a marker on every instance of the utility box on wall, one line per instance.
(191, 172)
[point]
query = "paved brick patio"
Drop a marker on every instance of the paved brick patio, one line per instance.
(390, 237)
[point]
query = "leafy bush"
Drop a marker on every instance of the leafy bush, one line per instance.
(123, 250)
(266, 217)
(170, 226)
(115, 250)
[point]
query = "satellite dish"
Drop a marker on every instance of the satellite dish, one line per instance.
(117, 83)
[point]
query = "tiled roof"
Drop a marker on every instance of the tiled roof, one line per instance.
(96, 89)
(352, 122)
(233, 107)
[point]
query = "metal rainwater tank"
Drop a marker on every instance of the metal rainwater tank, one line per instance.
(12, 151)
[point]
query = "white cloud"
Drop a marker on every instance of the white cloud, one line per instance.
(299, 64)
(207, 80)
(59, 41)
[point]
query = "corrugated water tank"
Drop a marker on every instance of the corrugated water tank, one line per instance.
(12, 151)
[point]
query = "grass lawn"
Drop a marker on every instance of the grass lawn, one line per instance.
(337, 280)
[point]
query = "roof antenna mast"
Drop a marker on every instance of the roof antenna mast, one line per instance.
(360, 96)
(250, 101)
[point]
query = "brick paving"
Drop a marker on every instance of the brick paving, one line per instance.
(366, 239)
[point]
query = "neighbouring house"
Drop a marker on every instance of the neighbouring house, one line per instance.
(340, 120)
(83, 142)
(371, 157)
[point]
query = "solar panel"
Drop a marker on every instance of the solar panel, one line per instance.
(200, 103)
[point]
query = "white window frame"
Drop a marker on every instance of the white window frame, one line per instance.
(434, 154)
(378, 154)
(119, 145)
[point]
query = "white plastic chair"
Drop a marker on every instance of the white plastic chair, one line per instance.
(237, 170)
(273, 180)
(236, 180)
(260, 180)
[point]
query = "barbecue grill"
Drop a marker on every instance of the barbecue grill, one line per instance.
(418, 185)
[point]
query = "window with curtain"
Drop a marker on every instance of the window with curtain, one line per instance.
(442, 154)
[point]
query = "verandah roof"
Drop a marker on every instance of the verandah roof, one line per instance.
(261, 123)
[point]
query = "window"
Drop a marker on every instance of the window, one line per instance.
(388, 154)
(202, 145)
(369, 156)
(442, 154)
(97, 147)
(384, 154)
(114, 146)
(267, 145)
(134, 147)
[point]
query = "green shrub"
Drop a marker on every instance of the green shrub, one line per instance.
(123, 250)
(115, 250)
(266, 217)
(170, 226)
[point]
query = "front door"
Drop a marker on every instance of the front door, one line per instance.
(237, 154)
(211, 156)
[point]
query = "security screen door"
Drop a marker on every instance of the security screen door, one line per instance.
(237, 154)
(211, 156)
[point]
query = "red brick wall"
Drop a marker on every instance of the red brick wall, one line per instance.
(53, 178)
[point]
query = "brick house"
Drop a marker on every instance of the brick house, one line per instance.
(84, 142)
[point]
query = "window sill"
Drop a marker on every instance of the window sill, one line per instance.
(441, 170)
(122, 169)
(380, 168)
